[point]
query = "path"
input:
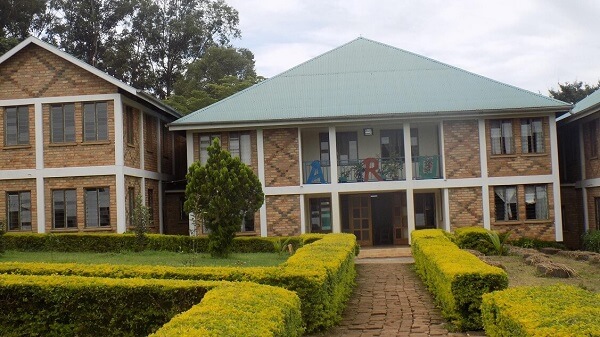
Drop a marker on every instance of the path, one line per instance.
(390, 300)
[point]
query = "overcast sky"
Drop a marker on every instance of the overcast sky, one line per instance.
(532, 44)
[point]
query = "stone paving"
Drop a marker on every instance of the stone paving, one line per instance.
(390, 300)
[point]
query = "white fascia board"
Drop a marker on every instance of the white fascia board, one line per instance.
(135, 172)
(59, 99)
(595, 182)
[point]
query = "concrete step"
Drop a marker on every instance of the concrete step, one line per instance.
(384, 252)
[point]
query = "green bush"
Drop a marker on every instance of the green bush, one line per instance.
(2, 232)
(474, 238)
(240, 309)
(89, 306)
(526, 242)
(557, 311)
(456, 278)
(591, 241)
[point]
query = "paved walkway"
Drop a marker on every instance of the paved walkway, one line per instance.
(390, 300)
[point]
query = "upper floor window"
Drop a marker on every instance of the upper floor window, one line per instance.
(593, 138)
(502, 136)
(505, 201)
(95, 121)
(150, 201)
(64, 209)
(62, 123)
(205, 141)
(532, 136)
(16, 125)
(18, 210)
(536, 202)
(239, 146)
(347, 147)
(129, 124)
(131, 205)
(97, 207)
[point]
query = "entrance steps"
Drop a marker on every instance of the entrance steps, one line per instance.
(384, 252)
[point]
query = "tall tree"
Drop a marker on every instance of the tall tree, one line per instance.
(573, 92)
(17, 19)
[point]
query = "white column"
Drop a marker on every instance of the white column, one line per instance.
(586, 214)
(260, 154)
(336, 223)
(302, 214)
(558, 226)
(446, 209)
(408, 172)
(120, 196)
(442, 149)
(485, 188)
(41, 200)
(189, 147)
(120, 163)
(142, 141)
(160, 207)
(410, 212)
(333, 156)
(38, 121)
(119, 132)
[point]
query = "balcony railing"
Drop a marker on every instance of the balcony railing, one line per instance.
(372, 169)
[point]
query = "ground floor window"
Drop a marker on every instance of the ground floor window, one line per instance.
(97, 207)
(248, 223)
(64, 209)
(320, 215)
(536, 202)
(18, 208)
(505, 200)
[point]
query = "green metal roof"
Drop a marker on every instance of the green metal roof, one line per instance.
(366, 78)
(588, 102)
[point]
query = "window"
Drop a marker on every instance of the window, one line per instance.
(597, 204)
(97, 207)
(536, 202)
(532, 136)
(392, 144)
(18, 210)
(129, 124)
(502, 138)
(414, 142)
(593, 140)
(239, 146)
(505, 200)
(347, 148)
(64, 209)
(150, 202)
(95, 121)
(324, 148)
(247, 223)
(131, 204)
(16, 125)
(205, 142)
(320, 215)
(62, 123)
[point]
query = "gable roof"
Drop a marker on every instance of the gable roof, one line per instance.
(363, 79)
(70, 58)
(585, 107)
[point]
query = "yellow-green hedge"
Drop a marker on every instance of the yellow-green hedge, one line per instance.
(321, 273)
(239, 309)
(549, 311)
(456, 278)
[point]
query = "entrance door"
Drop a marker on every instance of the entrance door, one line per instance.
(381, 210)
(424, 210)
(360, 218)
(400, 219)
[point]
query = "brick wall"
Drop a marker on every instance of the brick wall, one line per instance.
(173, 223)
(150, 144)
(572, 216)
(79, 153)
(519, 164)
(283, 215)
(592, 164)
(20, 185)
(281, 157)
(21, 156)
(135, 183)
(132, 150)
(166, 149)
(466, 207)
(80, 184)
(540, 229)
(35, 72)
(153, 185)
(592, 194)
(461, 147)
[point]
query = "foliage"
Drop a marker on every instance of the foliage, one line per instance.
(457, 278)
(242, 309)
(573, 92)
(17, 19)
(140, 220)
(526, 242)
(499, 242)
(557, 310)
(2, 232)
(220, 194)
(474, 238)
(591, 241)
(281, 245)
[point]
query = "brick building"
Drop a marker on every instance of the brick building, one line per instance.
(377, 141)
(78, 145)
(580, 168)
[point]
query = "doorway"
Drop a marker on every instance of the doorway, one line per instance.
(425, 210)
(383, 229)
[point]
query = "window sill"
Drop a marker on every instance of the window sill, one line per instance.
(20, 231)
(501, 156)
(17, 147)
(101, 142)
(537, 221)
(98, 229)
(508, 222)
(543, 154)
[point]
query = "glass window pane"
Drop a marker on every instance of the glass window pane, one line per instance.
(245, 149)
(11, 126)
(102, 120)
(89, 122)
(23, 121)
(91, 208)
(69, 120)
(71, 208)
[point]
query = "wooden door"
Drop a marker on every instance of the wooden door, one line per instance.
(400, 219)
(360, 218)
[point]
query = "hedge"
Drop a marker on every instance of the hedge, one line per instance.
(240, 309)
(321, 273)
(557, 311)
(87, 306)
(457, 278)
(474, 238)
(102, 243)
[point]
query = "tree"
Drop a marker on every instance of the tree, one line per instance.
(573, 92)
(17, 19)
(220, 194)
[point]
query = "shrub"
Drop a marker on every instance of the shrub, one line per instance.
(457, 278)
(557, 310)
(591, 241)
(141, 219)
(2, 232)
(526, 242)
(474, 238)
(241, 309)
(498, 242)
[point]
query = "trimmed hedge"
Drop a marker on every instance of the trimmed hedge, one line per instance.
(240, 309)
(321, 273)
(87, 306)
(102, 243)
(456, 278)
(557, 311)
(475, 238)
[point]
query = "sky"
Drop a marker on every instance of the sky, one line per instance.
(531, 44)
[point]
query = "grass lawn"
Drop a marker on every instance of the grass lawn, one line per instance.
(521, 274)
(148, 258)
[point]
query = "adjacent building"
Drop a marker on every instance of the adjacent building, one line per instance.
(376, 141)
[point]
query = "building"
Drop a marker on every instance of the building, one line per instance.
(580, 168)
(377, 141)
(78, 145)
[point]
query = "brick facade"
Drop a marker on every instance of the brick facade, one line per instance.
(461, 146)
(22, 185)
(466, 207)
(132, 148)
(175, 223)
(592, 162)
(281, 157)
(19, 156)
(519, 164)
(593, 221)
(150, 144)
(283, 215)
(572, 216)
(152, 196)
(166, 143)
